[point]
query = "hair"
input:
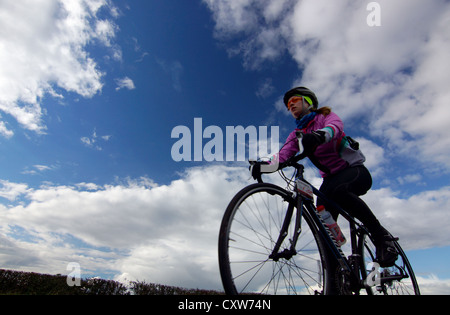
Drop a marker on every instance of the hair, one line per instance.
(323, 111)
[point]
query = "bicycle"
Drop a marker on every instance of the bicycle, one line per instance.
(273, 241)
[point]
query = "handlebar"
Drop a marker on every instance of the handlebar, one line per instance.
(267, 168)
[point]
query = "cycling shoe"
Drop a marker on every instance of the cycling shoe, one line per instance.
(386, 254)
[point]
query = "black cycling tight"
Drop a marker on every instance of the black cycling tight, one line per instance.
(344, 188)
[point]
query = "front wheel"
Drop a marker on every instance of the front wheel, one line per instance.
(250, 228)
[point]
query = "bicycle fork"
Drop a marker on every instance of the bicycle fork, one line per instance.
(348, 267)
(288, 253)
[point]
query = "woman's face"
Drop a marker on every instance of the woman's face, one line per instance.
(298, 107)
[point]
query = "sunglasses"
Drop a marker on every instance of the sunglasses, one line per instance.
(293, 100)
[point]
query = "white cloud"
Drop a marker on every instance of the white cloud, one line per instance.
(38, 169)
(4, 131)
(92, 141)
(166, 233)
(410, 178)
(375, 155)
(391, 78)
(172, 229)
(420, 220)
(232, 16)
(433, 285)
(104, 31)
(125, 83)
(43, 48)
(11, 191)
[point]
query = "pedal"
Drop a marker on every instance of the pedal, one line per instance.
(395, 239)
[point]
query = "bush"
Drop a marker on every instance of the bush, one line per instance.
(14, 282)
(142, 288)
(30, 283)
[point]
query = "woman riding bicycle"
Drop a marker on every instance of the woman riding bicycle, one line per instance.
(340, 162)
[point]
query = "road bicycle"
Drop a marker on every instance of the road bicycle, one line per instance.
(273, 241)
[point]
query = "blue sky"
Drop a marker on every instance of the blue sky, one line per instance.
(91, 91)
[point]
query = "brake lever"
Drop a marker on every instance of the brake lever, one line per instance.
(299, 135)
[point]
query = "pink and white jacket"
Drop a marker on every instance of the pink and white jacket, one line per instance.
(331, 157)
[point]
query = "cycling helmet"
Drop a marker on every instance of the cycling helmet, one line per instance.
(301, 91)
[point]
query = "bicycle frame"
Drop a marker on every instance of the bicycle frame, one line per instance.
(303, 194)
(240, 246)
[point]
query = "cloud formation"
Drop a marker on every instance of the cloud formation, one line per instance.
(125, 83)
(45, 54)
(93, 141)
(164, 234)
(390, 77)
(137, 229)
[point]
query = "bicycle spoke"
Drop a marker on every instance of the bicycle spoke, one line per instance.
(265, 248)
(396, 280)
(256, 225)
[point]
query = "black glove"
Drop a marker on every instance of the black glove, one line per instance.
(311, 141)
(256, 170)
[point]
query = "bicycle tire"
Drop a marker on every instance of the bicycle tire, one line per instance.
(250, 227)
(396, 280)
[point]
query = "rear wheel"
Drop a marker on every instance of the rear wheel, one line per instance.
(396, 280)
(250, 228)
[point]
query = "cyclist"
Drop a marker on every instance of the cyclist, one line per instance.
(340, 162)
